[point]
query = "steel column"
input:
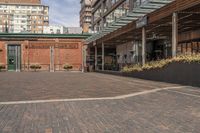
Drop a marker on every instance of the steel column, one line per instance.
(143, 46)
(84, 57)
(174, 33)
(96, 57)
(103, 56)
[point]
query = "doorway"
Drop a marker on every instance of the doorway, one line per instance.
(14, 58)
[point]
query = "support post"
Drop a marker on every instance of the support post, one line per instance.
(28, 58)
(103, 56)
(131, 3)
(174, 33)
(1, 56)
(143, 46)
(84, 58)
(102, 18)
(137, 51)
(96, 58)
(52, 59)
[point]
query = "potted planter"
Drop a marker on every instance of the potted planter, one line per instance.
(35, 67)
(2, 67)
(68, 67)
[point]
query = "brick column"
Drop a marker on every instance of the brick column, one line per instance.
(52, 67)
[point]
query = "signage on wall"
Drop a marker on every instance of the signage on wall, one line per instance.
(143, 21)
(68, 46)
(60, 46)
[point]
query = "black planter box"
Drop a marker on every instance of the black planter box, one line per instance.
(178, 73)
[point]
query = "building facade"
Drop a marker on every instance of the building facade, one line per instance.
(139, 31)
(55, 29)
(74, 30)
(18, 52)
(23, 16)
(59, 29)
(86, 15)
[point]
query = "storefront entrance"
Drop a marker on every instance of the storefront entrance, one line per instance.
(14, 58)
(158, 49)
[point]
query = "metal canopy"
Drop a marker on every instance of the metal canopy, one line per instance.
(118, 24)
(139, 11)
(160, 1)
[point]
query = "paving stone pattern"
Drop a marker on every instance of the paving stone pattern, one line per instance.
(43, 86)
(165, 111)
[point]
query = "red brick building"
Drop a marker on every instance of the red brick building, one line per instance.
(18, 52)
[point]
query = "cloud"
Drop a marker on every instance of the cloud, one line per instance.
(64, 12)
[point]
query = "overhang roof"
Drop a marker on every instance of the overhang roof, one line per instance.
(160, 25)
(29, 35)
(139, 11)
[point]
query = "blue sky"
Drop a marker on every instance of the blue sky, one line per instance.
(64, 12)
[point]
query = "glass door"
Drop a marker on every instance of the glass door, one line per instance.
(14, 58)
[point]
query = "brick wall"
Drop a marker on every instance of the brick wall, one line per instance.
(2, 53)
(66, 51)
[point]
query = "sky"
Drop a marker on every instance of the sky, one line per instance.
(64, 12)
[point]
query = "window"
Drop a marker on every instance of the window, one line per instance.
(34, 7)
(97, 14)
(120, 11)
(58, 31)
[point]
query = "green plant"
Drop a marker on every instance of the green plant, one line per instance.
(132, 68)
(2, 67)
(68, 67)
(35, 67)
(162, 63)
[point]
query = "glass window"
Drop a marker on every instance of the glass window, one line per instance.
(120, 11)
(97, 14)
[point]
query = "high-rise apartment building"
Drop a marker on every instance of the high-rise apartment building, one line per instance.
(86, 15)
(23, 16)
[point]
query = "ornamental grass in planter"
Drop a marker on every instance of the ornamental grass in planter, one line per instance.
(68, 67)
(35, 67)
(2, 67)
(162, 63)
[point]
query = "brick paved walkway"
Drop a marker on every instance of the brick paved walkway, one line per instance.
(42, 86)
(174, 110)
